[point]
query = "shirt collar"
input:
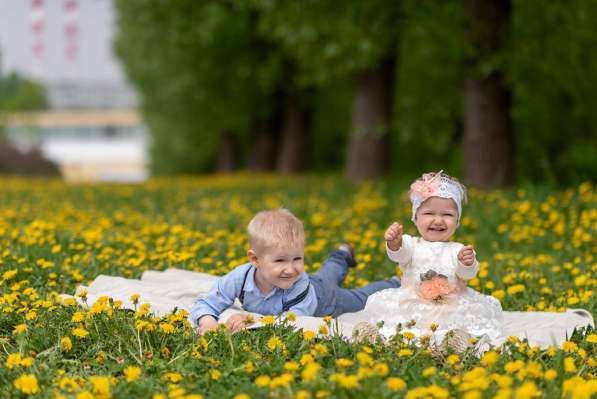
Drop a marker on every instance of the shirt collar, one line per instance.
(250, 285)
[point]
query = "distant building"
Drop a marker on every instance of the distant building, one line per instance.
(74, 95)
(87, 145)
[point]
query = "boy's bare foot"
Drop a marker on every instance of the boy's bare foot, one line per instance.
(346, 247)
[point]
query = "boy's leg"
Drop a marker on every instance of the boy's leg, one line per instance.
(353, 300)
(335, 268)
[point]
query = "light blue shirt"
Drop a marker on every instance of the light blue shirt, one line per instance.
(228, 288)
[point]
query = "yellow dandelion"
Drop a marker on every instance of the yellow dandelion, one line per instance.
(405, 353)
(343, 363)
(167, 328)
(569, 346)
(85, 395)
(66, 344)
(429, 371)
(262, 381)
(13, 360)
(274, 342)
(248, 367)
(489, 358)
(310, 371)
(19, 329)
(101, 385)
(80, 332)
(395, 384)
(527, 390)
(291, 366)
(453, 359)
(131, 373)
(78, 317)
(135, 298)
(551, 374)
(569, 365)
(27, 384)
(174, 378)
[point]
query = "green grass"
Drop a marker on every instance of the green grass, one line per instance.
(54, 237)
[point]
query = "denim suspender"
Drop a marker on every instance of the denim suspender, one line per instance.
(285, 305)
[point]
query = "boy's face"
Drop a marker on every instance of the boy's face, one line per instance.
(278, 267)
(437, 219)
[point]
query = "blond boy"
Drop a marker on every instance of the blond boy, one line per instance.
(274, 281)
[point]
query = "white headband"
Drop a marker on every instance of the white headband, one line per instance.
(435, 185)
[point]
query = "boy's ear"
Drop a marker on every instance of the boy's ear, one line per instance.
(253, 257)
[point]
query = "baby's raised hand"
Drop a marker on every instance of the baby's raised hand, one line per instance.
(393, 236)
(466, 255)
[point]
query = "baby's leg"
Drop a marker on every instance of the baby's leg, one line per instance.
(335, 268)
(353, 300)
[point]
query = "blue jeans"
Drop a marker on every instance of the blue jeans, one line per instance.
(333, 300)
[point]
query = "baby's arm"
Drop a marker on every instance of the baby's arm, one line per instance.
(398, 245)
(205, 311)
(467, 266)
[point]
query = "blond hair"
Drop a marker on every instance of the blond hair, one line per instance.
(275, 228)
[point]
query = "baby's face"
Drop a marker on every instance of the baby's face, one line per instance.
(437, 219)
(281, 267)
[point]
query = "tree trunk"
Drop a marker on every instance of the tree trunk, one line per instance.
(228, 153)
(262, 150)
(295, 137)
(371, 119)
(488, 140)
(264, 138)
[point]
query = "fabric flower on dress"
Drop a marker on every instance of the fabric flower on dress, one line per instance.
(437, 289)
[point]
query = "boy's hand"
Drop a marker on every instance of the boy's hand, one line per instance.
(238, 321)
(207, 323)
(393, 236)
(466, 256)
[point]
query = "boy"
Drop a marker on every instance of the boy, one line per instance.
(274, 281)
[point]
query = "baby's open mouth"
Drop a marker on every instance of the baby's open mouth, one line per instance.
(437, 228)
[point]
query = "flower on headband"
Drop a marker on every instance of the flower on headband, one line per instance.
(426, 186)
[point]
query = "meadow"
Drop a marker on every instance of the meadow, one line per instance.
(536, 246)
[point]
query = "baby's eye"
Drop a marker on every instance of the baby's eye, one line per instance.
(447, 214)
(279, 260)
(298, 258)
(426, 213)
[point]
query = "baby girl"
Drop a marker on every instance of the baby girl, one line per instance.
(434, 294)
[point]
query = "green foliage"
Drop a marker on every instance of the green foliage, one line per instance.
(428, 111)
(201, 68)
(212, 66)
(19, 94)
(552, 72)
(329, 40)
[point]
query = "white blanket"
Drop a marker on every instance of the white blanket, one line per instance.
(175, 288)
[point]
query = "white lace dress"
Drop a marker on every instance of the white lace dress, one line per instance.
(434, 291)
